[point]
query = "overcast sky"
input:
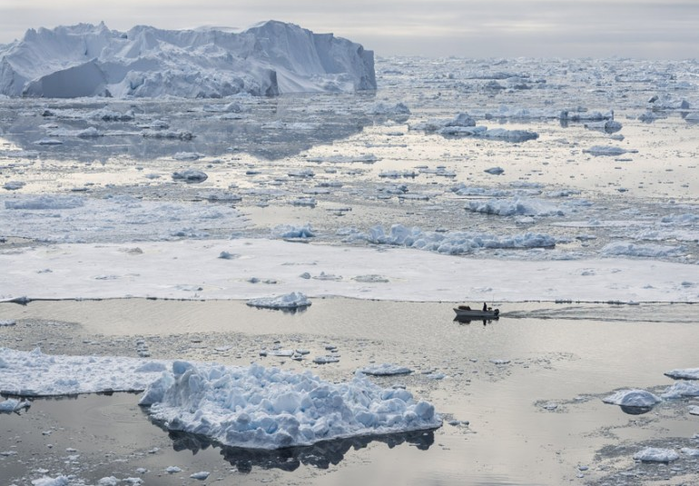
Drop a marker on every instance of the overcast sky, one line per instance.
(470, 28)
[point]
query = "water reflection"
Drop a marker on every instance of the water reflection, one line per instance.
(266, 128)
(320, 455)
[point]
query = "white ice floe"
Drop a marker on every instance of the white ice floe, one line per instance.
(33, 373)
(690, 452)
(451, 243)
(267, 59)
(268, 408)
(293, 300)
(112, 218)
(693, 409)
(682, 389)
(629, 249)
(654, 454)
(190, 176)
(292, 231)
(49, 481)
(516, 207)
(684, 374)
(385, 369)
(607, 151)
(158, 269)
(633, 398)
(13, 405)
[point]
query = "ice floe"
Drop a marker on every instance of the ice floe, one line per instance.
(682, 389)
(655, 454)
(267, 408)
(684, 374)
(385, 369)
(293, 300)
(630, 399)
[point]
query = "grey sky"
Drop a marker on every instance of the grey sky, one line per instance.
(470, 28)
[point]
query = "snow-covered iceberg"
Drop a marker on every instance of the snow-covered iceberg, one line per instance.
(270, 58)
(268, 408)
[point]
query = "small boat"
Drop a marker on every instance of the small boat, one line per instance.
(465, 312)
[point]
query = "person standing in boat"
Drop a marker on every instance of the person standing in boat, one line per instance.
(485, 307)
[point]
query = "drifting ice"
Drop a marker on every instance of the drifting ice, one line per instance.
(267, 408)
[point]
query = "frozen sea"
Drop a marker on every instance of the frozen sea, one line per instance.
(564, 192)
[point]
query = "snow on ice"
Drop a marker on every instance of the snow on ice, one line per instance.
(270, 58)
(268, 408)
(654, 454)
(633, 398)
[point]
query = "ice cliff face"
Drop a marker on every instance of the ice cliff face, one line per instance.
(268, 59)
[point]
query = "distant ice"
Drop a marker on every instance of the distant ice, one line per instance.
(269, 58)
(385, 369)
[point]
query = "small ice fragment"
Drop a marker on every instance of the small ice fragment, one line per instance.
(654, 454)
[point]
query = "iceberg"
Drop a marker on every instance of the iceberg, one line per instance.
(268, 408)
(268, 59)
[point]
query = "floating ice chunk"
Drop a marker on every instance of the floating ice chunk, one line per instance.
(689, 452)
(49, 141)
(654, 454)
(190, 176)
(46, 202)
(310, 202)
(49, 481)
(268, 408)
(7, 323)
(495, 170)
(326, 359)
(291, 231)
(13, 185)
(293, 300)
(684, 374)
(461, 120)
(385, 369)
(202, 475)
(608, 126)
(37, 374)
(500, 361)
(693, 409)
(387, 109)
(515, 207)
(607, 151)
(509, 135)
(682, 389)
(622, 248)
(13, 405)
(633, 398)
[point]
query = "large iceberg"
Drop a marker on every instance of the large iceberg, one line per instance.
(268, 408)
(269, 58)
